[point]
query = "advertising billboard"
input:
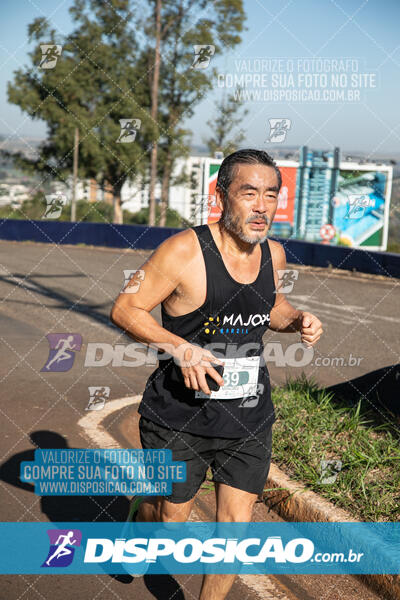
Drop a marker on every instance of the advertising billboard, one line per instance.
(283, 221)
(361, 206)
(345, 204)
(211, 168)
(205, 208)
(284, 216)
(341, 203)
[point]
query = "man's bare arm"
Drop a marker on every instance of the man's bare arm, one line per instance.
(283, 316)
(162, 275)
(163, 272)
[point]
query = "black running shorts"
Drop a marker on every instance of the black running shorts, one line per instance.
(242, 463)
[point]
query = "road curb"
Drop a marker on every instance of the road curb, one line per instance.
(296, 503)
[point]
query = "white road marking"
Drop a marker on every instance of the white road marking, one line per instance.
(352, 312)
(263, 586)
(91, 422)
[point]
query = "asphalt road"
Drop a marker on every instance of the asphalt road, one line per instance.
(55, 289)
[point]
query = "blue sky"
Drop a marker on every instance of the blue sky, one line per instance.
(364, 30)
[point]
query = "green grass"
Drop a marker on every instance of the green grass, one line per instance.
(313, 425)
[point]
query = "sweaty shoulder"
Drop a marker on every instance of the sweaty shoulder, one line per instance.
(278, 254)
(180, 245)
(176, 251)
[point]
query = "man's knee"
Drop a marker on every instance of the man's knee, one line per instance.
(173, 511)
(158, 509)
(147, 510)
(242, 515)
(234, 511)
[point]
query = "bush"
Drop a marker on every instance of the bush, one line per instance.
(96, 212)
(141, 217)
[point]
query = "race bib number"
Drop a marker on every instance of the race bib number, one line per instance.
(240, 377)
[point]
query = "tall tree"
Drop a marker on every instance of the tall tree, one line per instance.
(154, 111)
(93, 85)
(104, 75)
(214, 24)
(229, 114)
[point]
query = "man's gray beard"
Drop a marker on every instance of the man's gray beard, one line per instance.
(231, 224)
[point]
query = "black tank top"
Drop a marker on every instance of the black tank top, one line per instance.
(236, 316)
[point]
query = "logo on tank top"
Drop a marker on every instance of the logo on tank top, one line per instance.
(212, 325)
(236, 323)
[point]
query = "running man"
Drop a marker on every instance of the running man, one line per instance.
(62, 549)
(217, 287)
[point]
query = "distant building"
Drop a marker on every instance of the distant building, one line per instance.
(13, 194)
(183, 196)
(187, 172)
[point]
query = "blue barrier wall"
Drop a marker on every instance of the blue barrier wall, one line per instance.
(147, 238)
(93, 234)
(340, 257)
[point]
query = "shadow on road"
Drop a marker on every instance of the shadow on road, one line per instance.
(63, 508)
(70, 301)
(378, 392)
(60, 509)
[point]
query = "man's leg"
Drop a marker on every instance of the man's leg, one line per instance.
(195, 451)
(233, 505)
(158, 509)
(240, 469)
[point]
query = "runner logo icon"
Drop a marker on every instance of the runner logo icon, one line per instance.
(62, 351)
(61, 551)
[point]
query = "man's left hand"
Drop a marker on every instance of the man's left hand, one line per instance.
(310, 328)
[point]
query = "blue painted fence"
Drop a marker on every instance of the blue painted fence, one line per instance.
(340, 257)
(147, 238)
(139, 237)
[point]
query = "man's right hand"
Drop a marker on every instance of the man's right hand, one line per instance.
(195, 362)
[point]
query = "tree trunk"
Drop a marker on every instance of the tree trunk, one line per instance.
(75, 174)
(117, 209)
(165, 190)
(154, 113)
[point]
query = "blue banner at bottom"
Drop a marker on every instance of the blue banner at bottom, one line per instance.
(199, 547)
